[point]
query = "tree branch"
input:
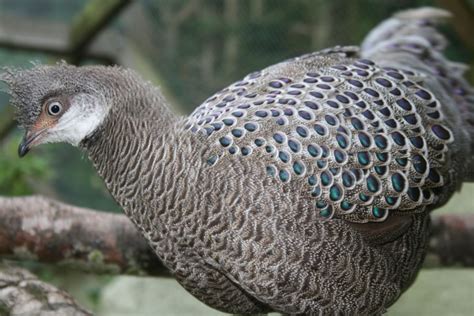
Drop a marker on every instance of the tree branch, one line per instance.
(21, 293)
(47, 231)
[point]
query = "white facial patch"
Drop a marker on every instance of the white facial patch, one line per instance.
(82, 118)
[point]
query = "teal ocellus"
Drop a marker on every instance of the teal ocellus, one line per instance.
(304, 188)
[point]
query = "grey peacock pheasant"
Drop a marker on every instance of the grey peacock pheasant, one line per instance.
(304, 188)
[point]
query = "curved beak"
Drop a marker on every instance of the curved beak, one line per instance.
(28, 142)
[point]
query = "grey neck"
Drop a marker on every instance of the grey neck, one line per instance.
(145, 158)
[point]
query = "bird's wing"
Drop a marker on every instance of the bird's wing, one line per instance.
(362, 141)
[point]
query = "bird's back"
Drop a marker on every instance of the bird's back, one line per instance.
(358, 139)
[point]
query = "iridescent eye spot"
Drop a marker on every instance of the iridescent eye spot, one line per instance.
(361, 73)
(294, 92)
(434, 176)
(419, 164)
(323, 86)
(369, 114)
(333, 104)
(232, 150)
(385, 111)
(335, 193)
(411, 119)
(348, 179)
(225, 141)
(327, 212)
(261, 113)
(245, 151)
(321, 164)
(441, 132)
(302, 131)
(310, 80)
(383, 82)
(423, 94)
(269, 149)
(436, 115)
(378, 212)
(382, 157)
(311, 105)
(238, 113)
(357, 124)
(326, 178)
(361, 104)
(294, 145)
(355, 83)
(398, 182)
(279, 138)
(363, 158)
(288, 112)
(320, 129)
(237, 132)
(305, 115)
(396, 92)
(331, 119)
(312, 74)
(381, 170)
(284, 175)
(228, 121)
(403, 162)
(391, 123)
(327, 79)
(373, 184)
(404, 104)
(398, 138)
(340, 156)
(281, 121)
(417, 142)
(284, 156)
(312, 180)
(275, 84)
(414, 194)
(275, 113)
(390, 200)
(217, 126)
(381, 141)
(363, 197)
(313, 150)
(251, 127)
(316, 192)
(342, 99)
(342, 141)
(298, 168)
(271, 171)
(395, 75)
(351, 95)
(316, 94)
(212, 160)
(364, 139)
(259, 142)
(371, 92)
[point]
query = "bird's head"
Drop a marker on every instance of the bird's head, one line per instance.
(60, 103)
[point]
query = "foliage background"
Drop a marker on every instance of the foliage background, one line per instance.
(192, 49)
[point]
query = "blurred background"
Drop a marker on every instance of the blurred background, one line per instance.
(191, 48)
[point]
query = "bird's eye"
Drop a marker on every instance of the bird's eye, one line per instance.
(54, 108)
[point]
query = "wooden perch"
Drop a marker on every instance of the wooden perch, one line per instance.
(47, 231)
(21, 293)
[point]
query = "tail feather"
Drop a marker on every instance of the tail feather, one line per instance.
(410, 41)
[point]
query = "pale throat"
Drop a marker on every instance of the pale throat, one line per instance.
(84, 116)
